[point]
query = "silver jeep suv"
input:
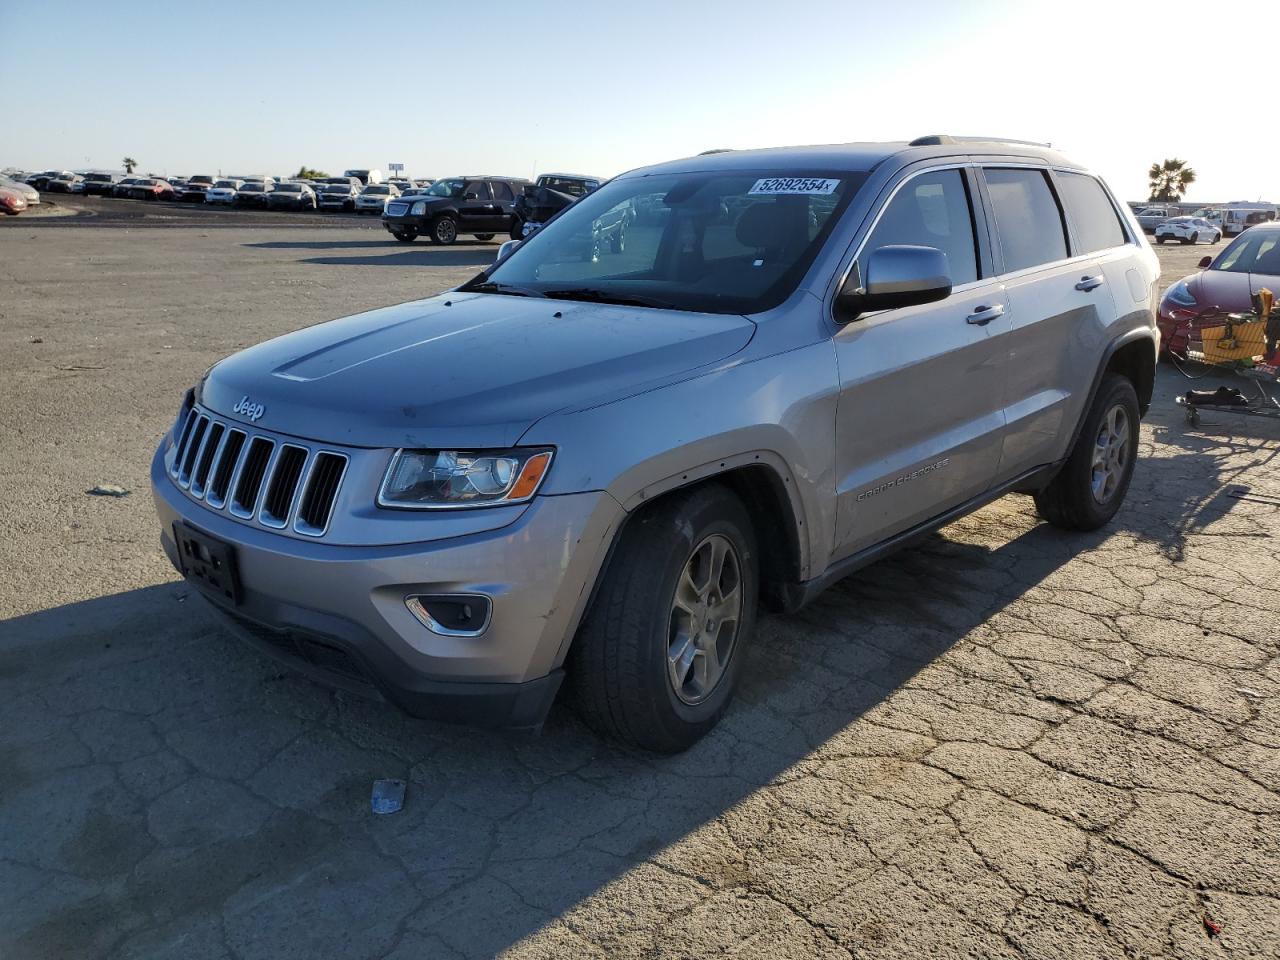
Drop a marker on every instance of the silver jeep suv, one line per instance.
(592, 463)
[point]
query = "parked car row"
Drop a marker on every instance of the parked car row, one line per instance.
(16, 196)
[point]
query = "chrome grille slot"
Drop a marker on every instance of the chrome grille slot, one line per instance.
(216, 495)
(249, 484)
(283, 486)
(319, 494)
(191, 450)
(182, 433)
(209, 451)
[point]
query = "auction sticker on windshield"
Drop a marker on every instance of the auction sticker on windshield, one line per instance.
(810, 185)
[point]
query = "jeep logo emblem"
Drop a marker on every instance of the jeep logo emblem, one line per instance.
(247, 408)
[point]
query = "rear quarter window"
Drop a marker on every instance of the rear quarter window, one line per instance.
(1027, 217)
(1096, 223)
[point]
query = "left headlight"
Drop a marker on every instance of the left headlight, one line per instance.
(1180, 294)
(446, 479)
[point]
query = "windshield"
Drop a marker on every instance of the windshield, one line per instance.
(377, 190)
(252, 185)
(201, 180)
(728, 242)
(575, 188)
(1257, 251)
(226, 184)
(446, 188)
(337, 188)
(288, 188)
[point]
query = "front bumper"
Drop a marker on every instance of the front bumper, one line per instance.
(338, 612)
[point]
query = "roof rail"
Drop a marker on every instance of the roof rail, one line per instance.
(938, 139)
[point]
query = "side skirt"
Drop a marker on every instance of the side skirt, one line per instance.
(797, 595)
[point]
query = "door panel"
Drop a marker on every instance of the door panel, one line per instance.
(1051, 347)
(920, 418)
(476, 216)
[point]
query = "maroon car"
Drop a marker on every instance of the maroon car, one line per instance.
(1225, 283)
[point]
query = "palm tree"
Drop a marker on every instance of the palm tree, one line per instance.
(129, 164)
(1169, 180)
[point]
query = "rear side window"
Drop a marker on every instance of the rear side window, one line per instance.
(1027, 218)
(932, 210)
(502, 191)
(1094, 218)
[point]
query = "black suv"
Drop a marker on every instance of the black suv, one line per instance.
(100, 183)
(480, 206)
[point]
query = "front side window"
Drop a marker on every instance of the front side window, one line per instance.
(1028, 220)
(1095, 220)
(477, 187)
(1251, 253)
(931, 210)
(716, 242)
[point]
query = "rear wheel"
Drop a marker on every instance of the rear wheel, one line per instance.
(444, 231)
(517, 229)
(658, 655)
(1092, 484)
(1160, 240)
(1191, 239)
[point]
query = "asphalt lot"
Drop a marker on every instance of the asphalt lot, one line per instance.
(1005, 742)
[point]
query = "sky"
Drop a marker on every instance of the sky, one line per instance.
(587, 87)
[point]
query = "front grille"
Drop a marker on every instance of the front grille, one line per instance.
(397, 209)
(254, 478)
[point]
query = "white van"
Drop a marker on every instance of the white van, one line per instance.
(364, 176)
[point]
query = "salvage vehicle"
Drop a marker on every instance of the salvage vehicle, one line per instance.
(1224, 284)
(28, 193)
(223, 192)
(62, 183)
(595, 471)
(547, 196)
(291, 195)
(12, 202)
(41, 180)
(1187, 230)
(373, 198)
(253, 193)
(481, 206)
(144, 188)
(337, 196)
(1151, 217)
(100, 184)
(195, 188)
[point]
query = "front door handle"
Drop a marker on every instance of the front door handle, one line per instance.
(984, 315)
(1089, 283)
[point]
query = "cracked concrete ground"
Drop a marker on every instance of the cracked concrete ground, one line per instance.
(1007, 742)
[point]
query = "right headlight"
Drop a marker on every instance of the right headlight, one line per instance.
(418, 209)
(449, 479)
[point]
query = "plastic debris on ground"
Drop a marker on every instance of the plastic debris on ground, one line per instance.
(388, 796)
(107, 490)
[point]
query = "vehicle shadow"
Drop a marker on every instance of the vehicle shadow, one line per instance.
(163, 782)
(413, 258)
(366, 244)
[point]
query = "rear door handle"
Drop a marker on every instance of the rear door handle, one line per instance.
(984, 315)
(1089, 283)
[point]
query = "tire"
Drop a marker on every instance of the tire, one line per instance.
(517, 229)
(622, 680)
(1217, 237)
(1188, 241)
(484, 237)
(1160, 241)
(1073, 500)
(406, 236)
(444, 230)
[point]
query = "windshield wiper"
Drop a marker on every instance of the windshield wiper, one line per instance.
(492, 286)
(591, 295)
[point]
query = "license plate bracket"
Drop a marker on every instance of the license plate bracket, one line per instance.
(208, 562)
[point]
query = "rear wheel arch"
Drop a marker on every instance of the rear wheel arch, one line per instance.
(1135, 359)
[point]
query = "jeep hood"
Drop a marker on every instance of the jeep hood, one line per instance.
(463, 369)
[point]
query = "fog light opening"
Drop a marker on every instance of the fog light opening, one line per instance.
(451, 615)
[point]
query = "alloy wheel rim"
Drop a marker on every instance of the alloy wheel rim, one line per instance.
(705, 614)
(1110, 454)
(445, 231)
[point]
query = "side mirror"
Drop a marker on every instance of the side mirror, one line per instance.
(507, 247)
(1204, 262)
(898, 275)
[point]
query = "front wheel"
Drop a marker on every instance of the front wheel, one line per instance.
(444, 231)
(1217, 237)
(406, 236)
(484, 237)
(657, 658)
(1092, 484)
